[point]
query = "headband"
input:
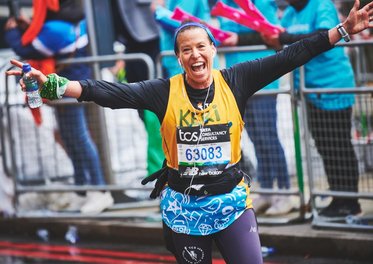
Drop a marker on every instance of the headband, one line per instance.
(193, 24)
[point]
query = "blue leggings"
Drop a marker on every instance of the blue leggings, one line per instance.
(239, 243)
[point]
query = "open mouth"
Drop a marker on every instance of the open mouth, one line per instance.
(198, 66)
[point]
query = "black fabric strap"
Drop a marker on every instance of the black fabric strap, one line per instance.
(223, 183)
(201, 186)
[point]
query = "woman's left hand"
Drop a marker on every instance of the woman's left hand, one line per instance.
(359, 19)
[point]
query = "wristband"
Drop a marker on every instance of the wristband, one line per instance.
(54, 88)
(342, 31)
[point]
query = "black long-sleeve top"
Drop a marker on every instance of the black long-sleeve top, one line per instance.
(244, 79)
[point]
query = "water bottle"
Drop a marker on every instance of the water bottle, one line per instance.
(43, 234)
(72, 234)
(355, 220)
(32, 88)
(267, 251)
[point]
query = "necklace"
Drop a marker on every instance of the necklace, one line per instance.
(203, 106)
(207, 96)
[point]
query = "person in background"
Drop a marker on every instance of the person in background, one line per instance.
(203, 196)
(137, 29)
(58, 31)
(329, 115)
(261, 114)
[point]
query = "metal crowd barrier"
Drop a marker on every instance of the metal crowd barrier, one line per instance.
(288, 132)
(362, 135)
(38, 163)
(5, 56)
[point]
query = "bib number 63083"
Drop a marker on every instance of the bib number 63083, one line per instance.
(203, 153)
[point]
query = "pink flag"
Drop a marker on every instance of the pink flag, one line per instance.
(254, 22)
(250, 9)
(181, 15)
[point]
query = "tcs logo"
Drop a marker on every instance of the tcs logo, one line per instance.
(186, 136)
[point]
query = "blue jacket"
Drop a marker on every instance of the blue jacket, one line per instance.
(331, 69)
(58, 39)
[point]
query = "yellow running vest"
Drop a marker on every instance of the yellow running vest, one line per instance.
(180, 113)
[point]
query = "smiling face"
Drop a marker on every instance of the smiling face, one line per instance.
(195, 52)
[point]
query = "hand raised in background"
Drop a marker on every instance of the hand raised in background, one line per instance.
(272, 41)
(22, 22)
(232, 40)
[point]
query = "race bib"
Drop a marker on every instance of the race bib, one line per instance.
(203, 151)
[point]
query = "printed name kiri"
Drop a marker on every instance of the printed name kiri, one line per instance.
(190, 118)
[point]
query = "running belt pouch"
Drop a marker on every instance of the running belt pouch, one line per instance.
(210, 185)
(223, 183)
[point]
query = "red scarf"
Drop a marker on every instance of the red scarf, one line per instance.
(40, 8)
(47, 65)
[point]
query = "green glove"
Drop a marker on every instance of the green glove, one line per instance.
(54, 88)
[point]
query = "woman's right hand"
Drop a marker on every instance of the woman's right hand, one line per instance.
(38, 75)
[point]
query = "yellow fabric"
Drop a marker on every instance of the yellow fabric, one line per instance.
(180, 112)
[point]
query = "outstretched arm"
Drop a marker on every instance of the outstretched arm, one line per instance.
(357, 21)
(73, 88)
(258, 73)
